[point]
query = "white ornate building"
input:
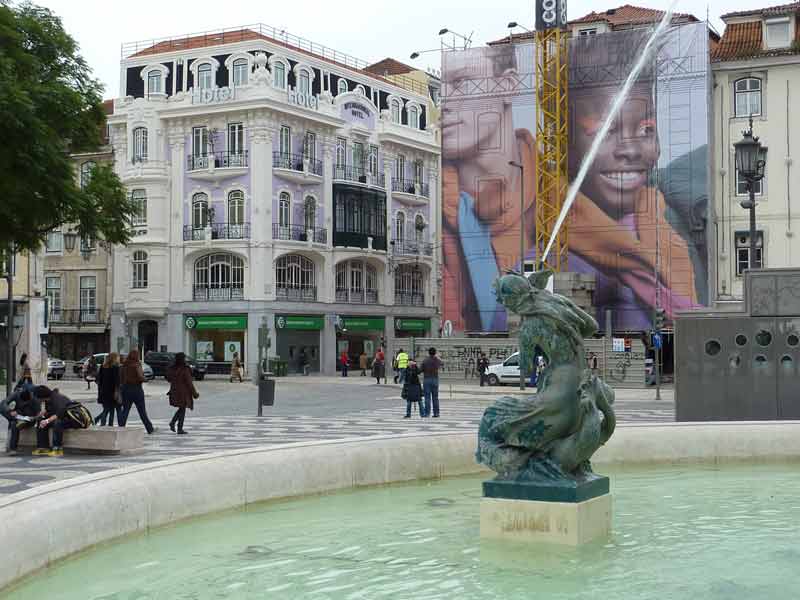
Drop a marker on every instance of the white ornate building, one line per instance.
(279, 184)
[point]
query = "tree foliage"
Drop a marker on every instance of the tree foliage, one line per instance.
(50, 106)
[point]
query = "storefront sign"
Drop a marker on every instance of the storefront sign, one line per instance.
(212, 96)
(412, 324)
(363, 323)
(216, 322)
(304, 100)
(305, 322)
(357, 110)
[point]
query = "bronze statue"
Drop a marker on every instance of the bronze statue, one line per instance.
(548, 437)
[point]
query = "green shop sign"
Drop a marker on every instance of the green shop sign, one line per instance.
(412, 324)
(304, 322)
(363, 323)
(238, 322)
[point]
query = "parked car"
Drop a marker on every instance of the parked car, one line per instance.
(161, 361)
(56, 368)
(149, 375)
(504, 372)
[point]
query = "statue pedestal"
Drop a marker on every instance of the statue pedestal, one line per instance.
(567, 523)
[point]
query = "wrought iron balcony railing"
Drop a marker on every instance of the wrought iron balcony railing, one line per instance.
(356, 296)
(408, 186)
(217, 231)
(298, 233)
(412, 247)
(220, 160)
(409, 299)
(77, 317)
(296, 293)
(217, 294)
(296, 162)
(359, 175)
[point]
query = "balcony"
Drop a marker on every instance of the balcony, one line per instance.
(411, 192)
(216, 294)
(215, 164)
(296, 293)
(411, 248)
(409, 299)
(297, 168)
(348, 296)
(298, 233)
(77, 317)
(217, 231)
(359, 175)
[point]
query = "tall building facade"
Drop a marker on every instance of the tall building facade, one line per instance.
(280, 185)
(756, 69)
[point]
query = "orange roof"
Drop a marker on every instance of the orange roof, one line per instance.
(744, 40)
(781, 9)
(627, 15)
(389, 66)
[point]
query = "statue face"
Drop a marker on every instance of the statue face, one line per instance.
(510, 289)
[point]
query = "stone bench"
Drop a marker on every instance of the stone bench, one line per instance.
(95, 440)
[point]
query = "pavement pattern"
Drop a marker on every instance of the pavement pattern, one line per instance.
(306, 409)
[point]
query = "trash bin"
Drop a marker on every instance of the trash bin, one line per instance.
(266, 391)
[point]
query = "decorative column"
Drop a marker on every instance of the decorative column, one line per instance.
(260, 207)
(389, 277)
(174, 286)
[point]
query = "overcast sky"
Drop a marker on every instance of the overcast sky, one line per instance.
(367, 30)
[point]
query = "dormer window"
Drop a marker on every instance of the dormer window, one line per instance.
(154, 82)
(592, 31)
(342, 86)
(240, 72)
(204, 81)
(279, 67)
(395, 111)
(413, 117)
(778, 32)
(304, 82)
(154, 76)
(360, 90)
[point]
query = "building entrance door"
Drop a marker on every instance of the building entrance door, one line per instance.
(148, 336)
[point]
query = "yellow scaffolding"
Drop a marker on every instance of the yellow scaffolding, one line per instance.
(552, 82)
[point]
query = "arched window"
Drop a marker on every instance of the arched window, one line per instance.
(236, 207)
(356, 282)
(204, 81)
(342, 86)
(747, 96)
(294, 278)
(139, 263)
(219, 277)
(154, 81)
(140, 144)
(310, 213)
(279, 75)
(408, 286)
(419, 229)
(413, 117)
(395, 111)
(199, 211)
(284, 209)
(400, 226)
(240, 72)
(139, 198)
(360, 90)
(304, 82)
(86, 172)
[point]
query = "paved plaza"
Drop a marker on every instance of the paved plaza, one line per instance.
(306, 409)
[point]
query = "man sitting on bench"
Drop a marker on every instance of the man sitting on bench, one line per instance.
(59, 413)
(21, 409)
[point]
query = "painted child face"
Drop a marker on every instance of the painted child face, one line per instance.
(626, 156)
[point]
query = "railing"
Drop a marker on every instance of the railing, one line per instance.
(409, 299)
(296, 162)
(298, 233)
(412, 247)
(297, 293)
(243, 33)
(217, 294)
(217, 231)
(356, 296)
(81, 316)
(359, 175)
(408, 186)
(220, 160)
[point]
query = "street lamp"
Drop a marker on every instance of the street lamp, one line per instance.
(751, 160)
(514, 24)
(521, 168)
(417, 54)
(69, 241)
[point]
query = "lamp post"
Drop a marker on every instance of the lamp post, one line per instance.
(751, 160)
(521, 168)
(69, 241)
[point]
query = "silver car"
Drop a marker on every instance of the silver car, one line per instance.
(101, 357)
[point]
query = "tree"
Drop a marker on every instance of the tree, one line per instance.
(50, 106)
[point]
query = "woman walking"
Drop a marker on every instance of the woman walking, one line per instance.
(412, 389)
(108, 397)
(131, 379)
(90, 371)
(379, 366)
(182, 392)
(25, 368)
(236, 368)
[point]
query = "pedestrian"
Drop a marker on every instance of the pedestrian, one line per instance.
(430, 385)
(20, 410)
(236, 368)
(412, 390)
(131, 380)
(108, 396)
(593, 363)
(363, 363)
(483, 366)
(90, 371)
(344, 361)
(25, 369)
(182, 392)
(59, 414)
(379, 366)
(302, 361)
(402, 364)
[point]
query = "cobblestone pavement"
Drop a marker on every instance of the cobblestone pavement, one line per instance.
(306, 409)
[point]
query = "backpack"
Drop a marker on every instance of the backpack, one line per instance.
(79, 414)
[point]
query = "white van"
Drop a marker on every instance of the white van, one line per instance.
(504, 372)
